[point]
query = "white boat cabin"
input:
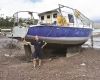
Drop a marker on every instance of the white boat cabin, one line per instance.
(50, 17)
(71, 18)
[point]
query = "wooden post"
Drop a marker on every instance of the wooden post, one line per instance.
(28, 52)
(92, 44)
(71, 51)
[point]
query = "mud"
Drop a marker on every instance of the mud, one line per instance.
(83, 66)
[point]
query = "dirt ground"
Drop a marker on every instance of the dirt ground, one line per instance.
(83, 66)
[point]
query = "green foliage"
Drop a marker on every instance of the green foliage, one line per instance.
(6, 22)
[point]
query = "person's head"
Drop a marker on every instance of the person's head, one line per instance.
(36, 38)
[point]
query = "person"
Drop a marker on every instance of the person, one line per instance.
(37, 55)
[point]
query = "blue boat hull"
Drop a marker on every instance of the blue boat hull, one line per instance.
(60, 35)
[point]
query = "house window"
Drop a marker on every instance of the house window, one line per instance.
(42, 17)
(48, 16)
(55, 15)
(71, 18)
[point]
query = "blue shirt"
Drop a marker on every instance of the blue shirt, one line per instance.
(38, 45)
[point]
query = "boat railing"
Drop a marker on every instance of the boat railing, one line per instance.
(78, 15)
(29, 21)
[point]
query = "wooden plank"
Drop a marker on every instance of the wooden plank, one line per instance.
(28, 52)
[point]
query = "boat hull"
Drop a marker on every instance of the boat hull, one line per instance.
(60, 35)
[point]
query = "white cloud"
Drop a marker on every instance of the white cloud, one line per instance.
(8, 7)
(88, 7)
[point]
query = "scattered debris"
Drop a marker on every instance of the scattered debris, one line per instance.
(83, 64)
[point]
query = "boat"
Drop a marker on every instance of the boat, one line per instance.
(63, 25)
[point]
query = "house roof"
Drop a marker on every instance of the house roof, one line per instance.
(54, 10)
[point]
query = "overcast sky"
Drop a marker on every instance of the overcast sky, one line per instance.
(90, 8)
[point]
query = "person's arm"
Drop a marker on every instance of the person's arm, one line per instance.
(44, 43)
(26, 43)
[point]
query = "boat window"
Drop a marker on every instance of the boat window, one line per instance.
(55, 15)
(42, 17)
(71, 18)
(54, 23)
(48, 16)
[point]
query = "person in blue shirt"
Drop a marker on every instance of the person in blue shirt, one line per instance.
(38, 54)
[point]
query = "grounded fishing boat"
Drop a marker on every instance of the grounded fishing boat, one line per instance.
(63, 25)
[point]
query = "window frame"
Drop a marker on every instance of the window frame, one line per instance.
(48, 16)
(42, 17)
(71, 18)
(55, 14)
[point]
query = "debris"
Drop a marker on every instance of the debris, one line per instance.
(8, 55)
(84, 75)
(83, 64)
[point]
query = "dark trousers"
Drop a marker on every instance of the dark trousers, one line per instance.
(37, 54)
